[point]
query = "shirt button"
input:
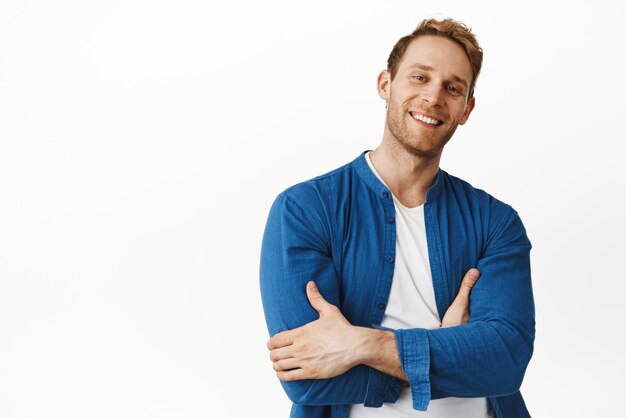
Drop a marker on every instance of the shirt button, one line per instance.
(381, 305)
(390, 220)
(386, 195)
(390, 259)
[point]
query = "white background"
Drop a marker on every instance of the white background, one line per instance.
(142, 143)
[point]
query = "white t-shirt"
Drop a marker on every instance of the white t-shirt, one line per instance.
(412, 305)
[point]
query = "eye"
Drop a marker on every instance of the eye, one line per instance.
(418, 78)
(453, 90)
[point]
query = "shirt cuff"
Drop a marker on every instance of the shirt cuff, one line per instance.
(414, 351)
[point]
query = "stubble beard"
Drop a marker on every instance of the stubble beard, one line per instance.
(402, 136)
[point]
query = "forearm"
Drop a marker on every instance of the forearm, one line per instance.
(378, 349)
(474, 360)
(478, 359)
(359, 385)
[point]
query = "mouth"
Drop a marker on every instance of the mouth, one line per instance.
(427, 120)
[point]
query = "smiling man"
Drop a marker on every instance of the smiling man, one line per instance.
(366, 271)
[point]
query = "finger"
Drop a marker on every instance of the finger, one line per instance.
(316, 299)
(291, 375)
(467, 284)
(282, 339)
(281, 353)
(285, 364)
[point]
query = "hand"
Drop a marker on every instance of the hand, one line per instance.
(320, 349)
(458, 313)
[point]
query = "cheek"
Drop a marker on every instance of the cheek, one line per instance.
(461, 108)
(465, 115)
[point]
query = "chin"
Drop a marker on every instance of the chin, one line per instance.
(424, 153)
(422, 150)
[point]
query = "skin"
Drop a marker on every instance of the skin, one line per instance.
(433, 80)
(408, 157)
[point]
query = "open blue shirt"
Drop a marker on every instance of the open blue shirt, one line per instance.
(338, 229)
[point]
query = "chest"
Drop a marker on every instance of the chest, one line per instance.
(375, 244)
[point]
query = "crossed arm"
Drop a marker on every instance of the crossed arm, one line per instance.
(330, 345)
(482, 358)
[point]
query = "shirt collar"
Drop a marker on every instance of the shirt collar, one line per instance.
(364, 171)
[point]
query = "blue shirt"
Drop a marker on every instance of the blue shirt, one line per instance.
(338, 229)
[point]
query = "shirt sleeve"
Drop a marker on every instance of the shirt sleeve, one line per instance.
(487, 356)
(297, 248)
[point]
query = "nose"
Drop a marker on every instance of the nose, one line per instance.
(432, 94)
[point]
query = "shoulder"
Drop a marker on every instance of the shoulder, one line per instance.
(315, 191)
(495, 216)
(314, 201)
(456, 188)
(308, 210)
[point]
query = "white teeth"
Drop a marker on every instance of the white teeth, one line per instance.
(425, 119)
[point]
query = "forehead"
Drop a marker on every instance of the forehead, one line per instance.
(441, 54)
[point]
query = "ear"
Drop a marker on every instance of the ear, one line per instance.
(384, 83)
(468, 110)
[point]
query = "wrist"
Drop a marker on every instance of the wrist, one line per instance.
(378, 349)
(371, 345)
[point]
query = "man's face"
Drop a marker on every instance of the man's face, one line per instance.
(427, 98)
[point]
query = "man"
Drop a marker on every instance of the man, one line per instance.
(359, 265)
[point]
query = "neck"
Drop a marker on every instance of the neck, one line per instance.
(408, 176)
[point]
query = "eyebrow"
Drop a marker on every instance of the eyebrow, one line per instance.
(454, 77)
(422, 66)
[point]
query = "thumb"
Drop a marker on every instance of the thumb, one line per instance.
(316, 299)
(467, 284)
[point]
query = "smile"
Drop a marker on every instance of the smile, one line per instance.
(425, 119)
